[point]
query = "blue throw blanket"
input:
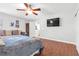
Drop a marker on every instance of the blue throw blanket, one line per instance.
(11, 40)
(20, 46)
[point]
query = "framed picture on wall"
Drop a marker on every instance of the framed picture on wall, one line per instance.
(17, 24)
(54, 22)
(12, 24)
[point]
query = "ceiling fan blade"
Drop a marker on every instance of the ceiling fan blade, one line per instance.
(37, 9)
(34, 13)
(26, 5)
(21, 9)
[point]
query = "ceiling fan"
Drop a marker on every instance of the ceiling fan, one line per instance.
(30, 9)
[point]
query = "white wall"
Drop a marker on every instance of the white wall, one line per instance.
(66, 30)
(6, 22)
(32, 28)
(77, 29)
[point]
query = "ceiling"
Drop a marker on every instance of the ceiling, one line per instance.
(46, 9)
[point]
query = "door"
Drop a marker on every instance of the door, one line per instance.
(27, 28)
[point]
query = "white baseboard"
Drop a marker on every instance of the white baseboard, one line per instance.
(59, 40)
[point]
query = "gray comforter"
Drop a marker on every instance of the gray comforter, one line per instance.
(21, 49)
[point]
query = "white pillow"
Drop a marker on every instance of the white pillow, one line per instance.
(1, 42)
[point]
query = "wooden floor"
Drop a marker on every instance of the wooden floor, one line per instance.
(53, 48)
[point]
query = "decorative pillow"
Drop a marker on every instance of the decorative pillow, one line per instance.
(15, 32)
(2, 32)
(8, 33)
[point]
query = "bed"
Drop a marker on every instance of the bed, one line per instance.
(19, 45)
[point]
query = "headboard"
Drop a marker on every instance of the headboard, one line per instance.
(9, 32)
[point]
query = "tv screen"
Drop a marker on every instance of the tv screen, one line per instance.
(53, 22)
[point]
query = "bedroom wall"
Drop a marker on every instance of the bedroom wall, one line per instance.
(32, 29)
(66, 30)
(77, 29)
(77, 32)
(5, 21)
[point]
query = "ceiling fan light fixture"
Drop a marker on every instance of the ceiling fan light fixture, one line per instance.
(29, 11)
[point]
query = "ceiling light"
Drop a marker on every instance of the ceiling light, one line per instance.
(29, 11)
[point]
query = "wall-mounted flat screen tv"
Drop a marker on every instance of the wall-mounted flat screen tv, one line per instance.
(54, 22)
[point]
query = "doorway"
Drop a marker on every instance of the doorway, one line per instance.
(27, 29)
